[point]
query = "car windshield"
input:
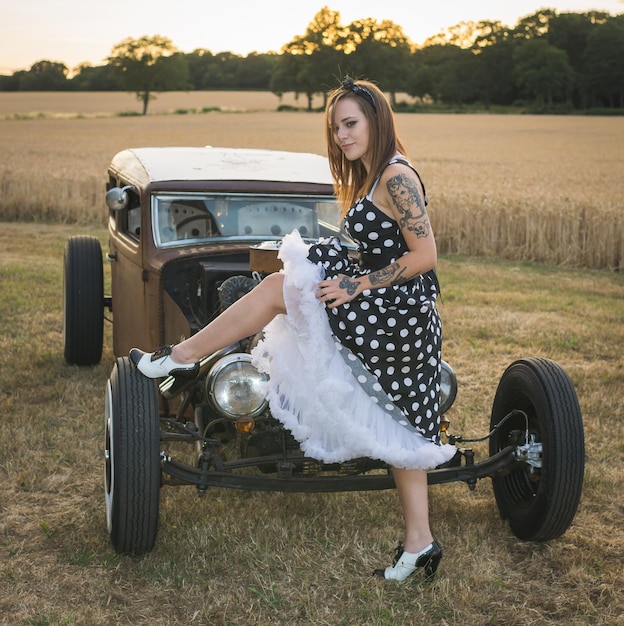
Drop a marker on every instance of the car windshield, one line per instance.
(182, 218)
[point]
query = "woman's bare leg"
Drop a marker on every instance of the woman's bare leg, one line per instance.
(413, 494)
(419, 549)
(244, 318)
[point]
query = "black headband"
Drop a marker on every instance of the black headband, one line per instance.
(348, 84)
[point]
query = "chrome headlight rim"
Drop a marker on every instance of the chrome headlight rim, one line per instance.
(448, 380)
(223, 367)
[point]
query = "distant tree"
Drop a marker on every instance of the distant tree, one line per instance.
(284, 75)
(94, 78)
(535, 25)
(570, 31)
(493, 46)
(379, 51)
(45, 76)
(542, 71)
(223, 70)
(488, 33)
(255, 70)
(12, 82)
(149, 64)
(446, 73)
(603, 63)
(199, 64)
(494, 73)
(462, 35)
(308, 62)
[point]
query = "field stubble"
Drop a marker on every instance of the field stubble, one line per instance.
(528, 188)
(237, 557)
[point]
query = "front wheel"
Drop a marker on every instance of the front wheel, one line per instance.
(132, 459)
(539, 502)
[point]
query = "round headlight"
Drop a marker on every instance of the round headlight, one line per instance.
(448, 387)
(237, 387)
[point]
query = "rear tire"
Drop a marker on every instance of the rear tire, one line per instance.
(132, 459)
(83, 301)
(540, 505)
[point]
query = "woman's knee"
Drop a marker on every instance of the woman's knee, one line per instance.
(273, 283)
(272, 287)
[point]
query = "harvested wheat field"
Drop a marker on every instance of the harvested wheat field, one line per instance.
(533, 188)
(505, 191)
(24, 104)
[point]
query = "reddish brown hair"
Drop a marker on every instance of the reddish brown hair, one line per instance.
(351, 180)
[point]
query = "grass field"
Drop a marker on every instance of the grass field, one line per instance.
(255, 558)
(543, 188)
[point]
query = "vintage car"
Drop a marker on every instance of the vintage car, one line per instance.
(190, 231)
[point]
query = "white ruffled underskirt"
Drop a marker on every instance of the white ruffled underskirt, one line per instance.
(313, 392)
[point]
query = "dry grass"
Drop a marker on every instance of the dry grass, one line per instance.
(256, 558)
(542, 188)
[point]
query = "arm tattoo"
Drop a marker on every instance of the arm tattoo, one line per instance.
(406, 197)
(393, 274)
(348, 284)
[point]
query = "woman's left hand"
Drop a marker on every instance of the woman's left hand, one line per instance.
(336, 291)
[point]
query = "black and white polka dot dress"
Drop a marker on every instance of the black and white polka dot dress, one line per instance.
(361, 379)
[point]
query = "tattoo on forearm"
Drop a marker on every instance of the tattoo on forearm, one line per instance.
(407, 199)
(348, 284)
(392, 274)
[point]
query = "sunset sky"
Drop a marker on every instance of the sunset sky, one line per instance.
(75, 31)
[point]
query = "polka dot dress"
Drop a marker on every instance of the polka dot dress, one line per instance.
(360, 380)
(395, 332)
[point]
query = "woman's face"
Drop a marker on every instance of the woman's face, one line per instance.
(351, 129)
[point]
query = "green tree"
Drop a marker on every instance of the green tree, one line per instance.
(45, 76)
(308, 62)
(542, 71)
(149, 64)
(494, 73)
(570, 32)
(255, 70)
(12, 82)
(493, 76)
(603, 63)
(444, 72)
(94, 78)
(462, 35)
(488, 33)
(380, 51)
(535, 25)
(200, 63)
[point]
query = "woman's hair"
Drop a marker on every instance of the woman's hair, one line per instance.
(351, 180)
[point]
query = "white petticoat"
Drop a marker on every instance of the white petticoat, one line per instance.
(314, 393)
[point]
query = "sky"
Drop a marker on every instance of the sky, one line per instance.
(78, 31)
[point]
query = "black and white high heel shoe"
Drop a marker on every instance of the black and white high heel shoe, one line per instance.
(406, 563)
(159, 364)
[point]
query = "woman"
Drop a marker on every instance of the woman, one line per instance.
(353, 351)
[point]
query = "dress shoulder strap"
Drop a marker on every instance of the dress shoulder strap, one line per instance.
(399, 158)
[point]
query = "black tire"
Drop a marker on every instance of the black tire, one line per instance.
(132, 459)
(540, 504)
(83, 301)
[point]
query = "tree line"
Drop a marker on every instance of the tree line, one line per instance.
(548, 60)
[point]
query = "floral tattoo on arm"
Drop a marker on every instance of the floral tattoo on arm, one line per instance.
(407, 197)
